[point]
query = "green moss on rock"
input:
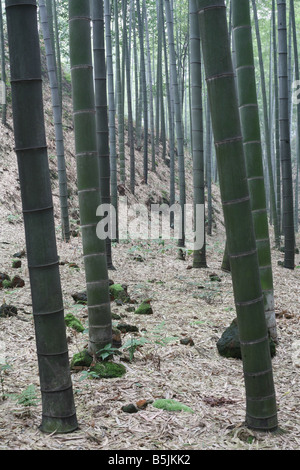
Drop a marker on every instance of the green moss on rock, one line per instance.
(144, 308)
(108, 370)
(117, 292)
(73, 322)
(16, 263)
(81, 359)
(171, 405)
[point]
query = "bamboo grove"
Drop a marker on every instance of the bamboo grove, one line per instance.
(185, 82)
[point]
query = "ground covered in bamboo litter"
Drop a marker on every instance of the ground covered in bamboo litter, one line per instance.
(186, 304)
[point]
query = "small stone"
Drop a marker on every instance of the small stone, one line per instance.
(19, 254)
(187, 341)
(131, 408)
(125, 328)
(115, 316)
(8, 310)
(116, 338)
(130, 309)
(142, 404)
(80, 297)
(214, 277)
(17, 281)
(17, 263)
(4, 277)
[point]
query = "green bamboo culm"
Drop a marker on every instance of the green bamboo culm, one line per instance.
(58, 410)
(119, 97)
(3, 71)
(261, 412)
(249, 113)
(266, 130)
(178, 125)
(102, 129)
(111, 113)
(199, 254)
(297, 78)
(285, 145)
(94, 252)
(58, 127)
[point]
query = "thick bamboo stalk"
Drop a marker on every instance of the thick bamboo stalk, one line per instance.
(261, 410)
(94, 252)
(102, 130)
(3, 71)
(249, 113)
(58, 127)
(267, 130)
(285, 145)
(111, 114)
(58, 409)
(199, 255)
(144, 89)
(178, 119)
(119, 100)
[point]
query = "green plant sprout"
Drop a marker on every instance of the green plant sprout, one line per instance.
(27, 397)
(132, 345)
(108, 351)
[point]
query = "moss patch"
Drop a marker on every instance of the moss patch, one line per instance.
(73, 322)
(171, 405)
(144, 309)
(108, 370)
(81, 359)
(117, 292)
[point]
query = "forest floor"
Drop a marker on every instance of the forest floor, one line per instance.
(186, 303)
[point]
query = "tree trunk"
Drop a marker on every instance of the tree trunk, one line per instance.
(3, 71)
(267, 131)
(144, 88)
(129, 105)
(57, 118)
(58, 407)
(178, 125)
(58, 55)
(277, 138)
(111, 114)
(94, 253)
(249, 113)
(297, 78)
(151, 112)
(102, 131)
(199, 255)
(120, 109)
(261, 410)
(285, 148)
(170, 120)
